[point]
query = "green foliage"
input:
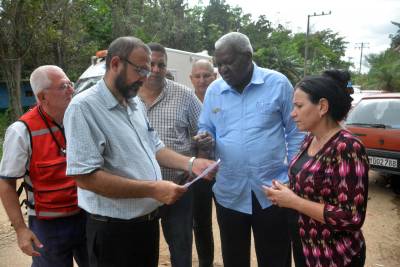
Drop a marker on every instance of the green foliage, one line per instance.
(280, 53)
(360, 79)
(384, 73)
(396, 37)
(70, 32)
(325, 51)
(4, 122)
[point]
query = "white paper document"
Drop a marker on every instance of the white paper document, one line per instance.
(204, 173)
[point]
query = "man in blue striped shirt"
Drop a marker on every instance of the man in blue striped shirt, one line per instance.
(247, 112)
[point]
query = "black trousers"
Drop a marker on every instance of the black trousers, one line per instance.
(270, 231)
(297, 247)
(359, 259)
(122, 243)
(202, 221)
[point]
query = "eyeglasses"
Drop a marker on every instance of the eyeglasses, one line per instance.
(66, 85)
(140, 70)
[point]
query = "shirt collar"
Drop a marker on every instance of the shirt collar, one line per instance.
(108, 98)
(256, 78)
(164, 91)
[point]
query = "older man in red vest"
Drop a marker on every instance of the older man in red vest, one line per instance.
(34, 149)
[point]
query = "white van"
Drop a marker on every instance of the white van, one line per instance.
(179, 65)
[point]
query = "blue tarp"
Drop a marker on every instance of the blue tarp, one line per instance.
(27, 97)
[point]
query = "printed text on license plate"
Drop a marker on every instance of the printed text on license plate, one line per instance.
(391, 163)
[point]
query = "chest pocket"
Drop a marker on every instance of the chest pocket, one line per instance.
(218, 120)
(266, 114)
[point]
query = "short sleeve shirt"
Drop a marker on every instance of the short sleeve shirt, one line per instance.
(174, 115)
(102, 134)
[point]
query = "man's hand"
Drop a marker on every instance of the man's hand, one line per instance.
(168, 192)
(280, 195)
(204, 141)
(26, 238)
(199, 165)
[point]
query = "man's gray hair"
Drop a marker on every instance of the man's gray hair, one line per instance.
(239, 41)
(40, 78)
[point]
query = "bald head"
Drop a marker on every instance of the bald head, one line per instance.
(202, 75)
(204, 64)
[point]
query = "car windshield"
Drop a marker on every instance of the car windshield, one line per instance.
(383, 113)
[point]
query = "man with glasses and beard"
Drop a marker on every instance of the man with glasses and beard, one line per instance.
(114, 155)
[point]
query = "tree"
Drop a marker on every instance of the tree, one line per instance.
(279, 53)
(258, 31)
(395, 37)
(326, 49)
(20, 21)
(384, 73)
(67, 33)
(218, 19)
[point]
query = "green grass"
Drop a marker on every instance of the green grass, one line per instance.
(3, 126)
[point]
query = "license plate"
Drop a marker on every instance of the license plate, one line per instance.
(384, 162)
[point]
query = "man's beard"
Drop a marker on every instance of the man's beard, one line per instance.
(127, 90)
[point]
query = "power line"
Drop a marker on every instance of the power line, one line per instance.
(307, 34)
(361, 46)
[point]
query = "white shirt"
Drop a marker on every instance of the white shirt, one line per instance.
(16, 152)
(16, 155)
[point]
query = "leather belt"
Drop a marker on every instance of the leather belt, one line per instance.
(145, 218)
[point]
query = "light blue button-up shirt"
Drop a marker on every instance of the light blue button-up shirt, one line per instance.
(254, 136)
(102, 134)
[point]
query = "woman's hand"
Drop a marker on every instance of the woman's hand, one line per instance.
(280, 195)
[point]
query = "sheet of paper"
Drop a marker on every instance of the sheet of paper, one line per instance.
(204, 173)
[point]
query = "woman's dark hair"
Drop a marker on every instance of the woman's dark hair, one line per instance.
(331, 85)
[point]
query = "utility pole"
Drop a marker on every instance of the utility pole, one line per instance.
(307, 34)
(361, 46)
(350, 63)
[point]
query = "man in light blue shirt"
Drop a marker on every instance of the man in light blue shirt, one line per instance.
(247, 112)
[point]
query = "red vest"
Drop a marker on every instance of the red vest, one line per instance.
(54, 193)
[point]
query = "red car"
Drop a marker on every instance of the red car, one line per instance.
(375, 120)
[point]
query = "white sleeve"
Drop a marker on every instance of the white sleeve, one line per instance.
(16, 152)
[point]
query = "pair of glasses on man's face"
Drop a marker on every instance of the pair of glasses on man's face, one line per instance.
(142, 72)
(66, 85)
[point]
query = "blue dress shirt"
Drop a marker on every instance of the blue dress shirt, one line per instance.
(254, 134)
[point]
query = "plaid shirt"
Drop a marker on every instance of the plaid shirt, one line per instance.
(174, 116)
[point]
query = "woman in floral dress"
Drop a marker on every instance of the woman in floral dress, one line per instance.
(328, 177)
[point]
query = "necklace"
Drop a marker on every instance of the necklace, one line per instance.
(317, 145)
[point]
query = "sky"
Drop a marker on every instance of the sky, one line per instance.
(358, 21)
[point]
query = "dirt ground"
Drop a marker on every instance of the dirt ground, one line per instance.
(381, 230)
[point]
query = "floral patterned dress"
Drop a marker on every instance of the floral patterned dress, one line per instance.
(337, 176)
